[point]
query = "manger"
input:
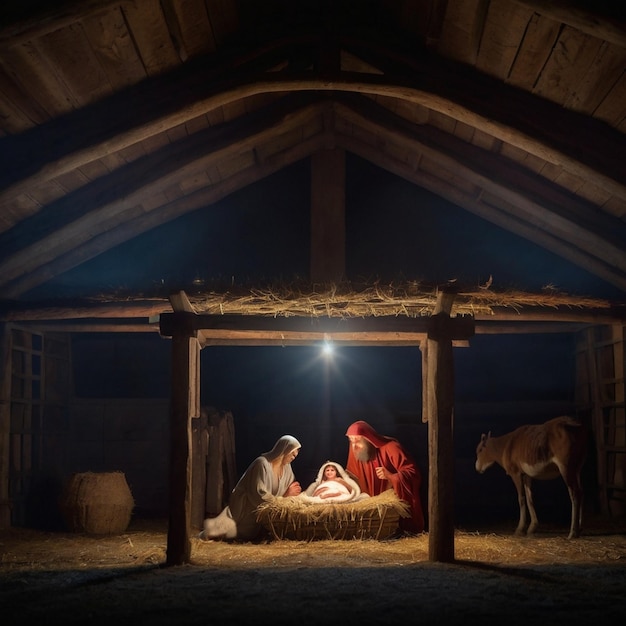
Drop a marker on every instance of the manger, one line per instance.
(295, 518)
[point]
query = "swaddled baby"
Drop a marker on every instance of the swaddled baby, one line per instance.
(333, 484)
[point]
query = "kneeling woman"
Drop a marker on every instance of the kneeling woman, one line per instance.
(269, 475)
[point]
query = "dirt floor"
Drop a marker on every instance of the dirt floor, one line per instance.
(69, 578)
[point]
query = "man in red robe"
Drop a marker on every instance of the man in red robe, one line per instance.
(380, 463)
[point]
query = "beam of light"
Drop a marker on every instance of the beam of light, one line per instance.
(328, 349)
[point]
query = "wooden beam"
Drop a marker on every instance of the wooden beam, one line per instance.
(511, 186)
(524, 120)
(82, 309)
(440, 405)
(68, 326)
(509, 220)
(185, 405)
(269, 338)
(115, 197)
(485, 168)
(226, 326)
(124, 230)
(180, 303)
(328, 222)
(291, 338)
(529, 197)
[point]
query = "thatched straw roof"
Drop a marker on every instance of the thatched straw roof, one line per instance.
(344, 300)
(411, 299)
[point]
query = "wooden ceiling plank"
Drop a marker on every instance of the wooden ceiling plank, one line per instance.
(189, 20)
(224, 19)
(539, 38)
(504, 30)
(55, 16)
(71, 57)
(594, 23)
(113, 46)
(612, 109)
(17, 117)
(571, 59)
(34, 76)
(150, 35)
(434, 22)
(599, 80)
(15, 120)
(462, 30)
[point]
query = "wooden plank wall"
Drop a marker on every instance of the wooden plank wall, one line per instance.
(600, 399)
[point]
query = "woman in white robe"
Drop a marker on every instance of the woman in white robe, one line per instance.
(269, 475)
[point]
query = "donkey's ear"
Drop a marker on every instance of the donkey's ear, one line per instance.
(483, 438)
(488, 434)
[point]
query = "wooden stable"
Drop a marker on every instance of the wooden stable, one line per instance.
(435, 334)
(487, 113)
(600, 371)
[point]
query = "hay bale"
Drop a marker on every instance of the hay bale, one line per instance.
(294, 518)
(97, 503)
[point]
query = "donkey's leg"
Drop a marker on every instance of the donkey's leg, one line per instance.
(574, 487)
(521, 500)
(534, 521)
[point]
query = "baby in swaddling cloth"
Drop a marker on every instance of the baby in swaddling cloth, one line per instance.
(333, 484)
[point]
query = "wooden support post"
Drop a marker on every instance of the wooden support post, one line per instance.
(185, 404)
(199, 454)
(440, 407)
(221, 461)
(328, 228)
(425, 409)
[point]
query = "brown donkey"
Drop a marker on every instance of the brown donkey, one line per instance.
(543, 451)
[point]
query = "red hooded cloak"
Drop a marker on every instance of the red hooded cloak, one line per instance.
(405, 478)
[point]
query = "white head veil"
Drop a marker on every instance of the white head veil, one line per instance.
(284, 445)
